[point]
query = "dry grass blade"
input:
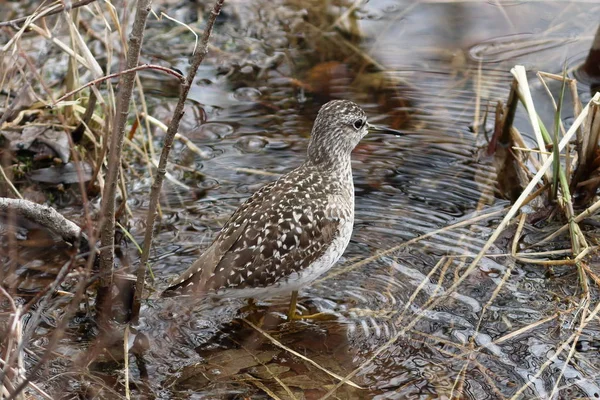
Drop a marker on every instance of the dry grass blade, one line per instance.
(571, 339)
(162, 14)
(588, 212)
(10, 184)
(178, 136)
(126, 359)
(55, 8)
(571, 352)
(263, 387)
(521, 77)
(393, 249)
(9, 358)
(308, 360)
(409, 302)
(273, 376)
(557, 127)
(525, 329)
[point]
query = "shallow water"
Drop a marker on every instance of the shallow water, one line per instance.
(448, 62)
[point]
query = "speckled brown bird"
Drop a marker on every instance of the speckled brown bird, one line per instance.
(292, 230)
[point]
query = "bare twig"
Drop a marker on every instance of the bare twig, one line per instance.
(9, 352)
(127, 71)
(126, 81)
(161, 170)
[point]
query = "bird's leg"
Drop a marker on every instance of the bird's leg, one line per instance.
(292, 311)
(251, 307)
(292, 316)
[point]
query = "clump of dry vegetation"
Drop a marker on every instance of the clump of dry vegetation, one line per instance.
(555, 182)
(85, 134)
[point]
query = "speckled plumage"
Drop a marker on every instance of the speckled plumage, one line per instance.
(291, 230)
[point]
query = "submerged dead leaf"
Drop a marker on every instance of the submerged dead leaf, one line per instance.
(269, 371)
(61, 174)
(303, 382)
(37, 138)
(224, 365)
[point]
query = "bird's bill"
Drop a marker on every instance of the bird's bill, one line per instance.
(384, 130)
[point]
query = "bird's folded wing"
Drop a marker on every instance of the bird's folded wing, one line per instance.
(199, 272)
(281, 255)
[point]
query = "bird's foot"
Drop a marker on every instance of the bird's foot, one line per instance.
(293, 316)
(251, 307)
(321, 316)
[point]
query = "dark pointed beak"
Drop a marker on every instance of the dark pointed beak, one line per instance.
(385, 130)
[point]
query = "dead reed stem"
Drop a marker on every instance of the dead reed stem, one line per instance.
(591, 66)
(161, 170)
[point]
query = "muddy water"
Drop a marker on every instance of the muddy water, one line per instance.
(426, 198)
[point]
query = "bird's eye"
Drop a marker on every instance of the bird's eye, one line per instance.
(358, 123)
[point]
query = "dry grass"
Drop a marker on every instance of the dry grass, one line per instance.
(100, 117)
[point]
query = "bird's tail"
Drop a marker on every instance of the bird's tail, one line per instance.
(187, 286)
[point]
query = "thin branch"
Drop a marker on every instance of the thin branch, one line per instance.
(126, 81)
(161, 170)
(166, 70)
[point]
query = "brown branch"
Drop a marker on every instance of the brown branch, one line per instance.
(161, 170)
(166, 70)
(126, 81)
(56, 8)
(46, 216)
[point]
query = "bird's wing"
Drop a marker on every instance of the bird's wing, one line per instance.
(259, 246)
(271, 253)
(197, 274)
(195, 277)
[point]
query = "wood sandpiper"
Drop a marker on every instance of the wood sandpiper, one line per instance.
(292, 230)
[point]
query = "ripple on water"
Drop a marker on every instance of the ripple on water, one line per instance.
(512, 47)
(247, 94)
(211, 131)
(251, 144)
